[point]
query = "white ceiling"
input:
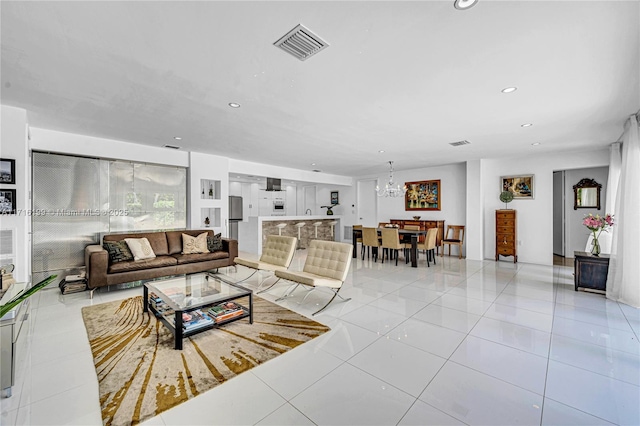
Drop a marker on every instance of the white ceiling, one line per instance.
(404, 77)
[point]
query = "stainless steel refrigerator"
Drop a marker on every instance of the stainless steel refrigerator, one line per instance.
(235, 215)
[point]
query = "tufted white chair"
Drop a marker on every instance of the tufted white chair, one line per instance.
(327, 265)
(277, 255)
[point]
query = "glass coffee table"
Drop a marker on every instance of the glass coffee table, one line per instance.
(191, 304)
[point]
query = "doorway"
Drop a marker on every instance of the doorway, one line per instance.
(367, 207)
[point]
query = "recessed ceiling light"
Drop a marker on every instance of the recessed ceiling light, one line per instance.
(234, 105)
(509, 89)
(464, 4)
(313, 164)
(178, 138)
(526, 125)
(381, 151)
(535, 143)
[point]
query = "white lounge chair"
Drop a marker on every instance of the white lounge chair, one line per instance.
(327, 266)
(277, 255)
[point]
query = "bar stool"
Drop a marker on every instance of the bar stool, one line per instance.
(315, 225)
(333, 223)
(280, 226)
(299, 225)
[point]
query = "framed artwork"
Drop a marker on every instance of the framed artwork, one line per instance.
(334, 197)
(422, 195)
(520, 186)
(7, 170)
(7, 201)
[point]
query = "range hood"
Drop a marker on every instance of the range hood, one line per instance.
(274, 184)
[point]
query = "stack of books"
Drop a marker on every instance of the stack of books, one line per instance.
(159, 305)
(225, 311)
(195, 320)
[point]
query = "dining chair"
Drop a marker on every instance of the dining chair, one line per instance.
(407, 238)
(359, 239)
(455, 237)
(429, 245)
(371, 241)
(391, 241)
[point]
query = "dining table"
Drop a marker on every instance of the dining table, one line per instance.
(404, 234)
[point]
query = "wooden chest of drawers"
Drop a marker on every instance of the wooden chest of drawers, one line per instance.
(506, 241)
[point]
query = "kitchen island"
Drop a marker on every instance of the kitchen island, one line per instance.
(252, 233)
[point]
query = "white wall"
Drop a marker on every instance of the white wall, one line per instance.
(474, 231)
(14, 145)
(535, 217)
(208, 167)
(576, 234)
(89, 146)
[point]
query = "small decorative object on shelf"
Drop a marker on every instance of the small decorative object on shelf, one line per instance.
(506, 197)
(210, 191)
(596, 224)
(202, 192)
(207, 222)
(416, 218)
(329, 211)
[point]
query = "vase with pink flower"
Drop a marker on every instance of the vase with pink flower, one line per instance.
(596, 224)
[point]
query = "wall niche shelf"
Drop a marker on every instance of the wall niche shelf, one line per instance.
(214, 217)
(210, 189)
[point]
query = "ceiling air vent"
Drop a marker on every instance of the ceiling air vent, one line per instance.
(459, 143)
(171, 146)
(301, 43)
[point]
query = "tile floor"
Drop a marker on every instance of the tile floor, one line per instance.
(462, 342)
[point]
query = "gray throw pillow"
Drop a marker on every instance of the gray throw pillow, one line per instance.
(118, 251)
(214, 243)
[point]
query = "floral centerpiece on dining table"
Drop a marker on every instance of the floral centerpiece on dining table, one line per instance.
(596, 224)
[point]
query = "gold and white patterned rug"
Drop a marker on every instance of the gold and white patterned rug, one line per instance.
(141, 375)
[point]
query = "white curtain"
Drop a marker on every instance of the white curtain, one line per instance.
(615, 164)
(623, 282)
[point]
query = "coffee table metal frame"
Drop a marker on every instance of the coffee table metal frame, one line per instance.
(178, 332)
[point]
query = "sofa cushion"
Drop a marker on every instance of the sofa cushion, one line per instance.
(118, 251)
(158, 240)
(140, 248)
(137, 265)
(174, 238)
(194, 245)
(214, 243)
(199, 257)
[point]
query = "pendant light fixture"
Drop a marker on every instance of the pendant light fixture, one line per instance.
(391, 189)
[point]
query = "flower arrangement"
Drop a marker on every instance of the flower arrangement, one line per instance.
(596, 224)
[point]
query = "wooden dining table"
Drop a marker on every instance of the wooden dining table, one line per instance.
(413, 234)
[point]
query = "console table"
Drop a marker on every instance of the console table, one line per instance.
(14, 327)
(590, 271)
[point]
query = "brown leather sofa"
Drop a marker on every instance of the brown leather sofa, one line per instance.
(169, 259)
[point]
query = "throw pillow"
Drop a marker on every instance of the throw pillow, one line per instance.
(140, 248)
(214, 243)
(193, 245)
(118, 251)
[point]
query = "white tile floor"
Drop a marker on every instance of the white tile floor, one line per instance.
(462, 342)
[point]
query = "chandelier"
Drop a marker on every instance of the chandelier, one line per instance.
(391, 189)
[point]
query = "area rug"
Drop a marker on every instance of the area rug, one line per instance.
(141, 375)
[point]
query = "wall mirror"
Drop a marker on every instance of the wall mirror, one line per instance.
(586, 194)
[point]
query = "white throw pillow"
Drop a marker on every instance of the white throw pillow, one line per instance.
(194, 245)
(140, 248)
